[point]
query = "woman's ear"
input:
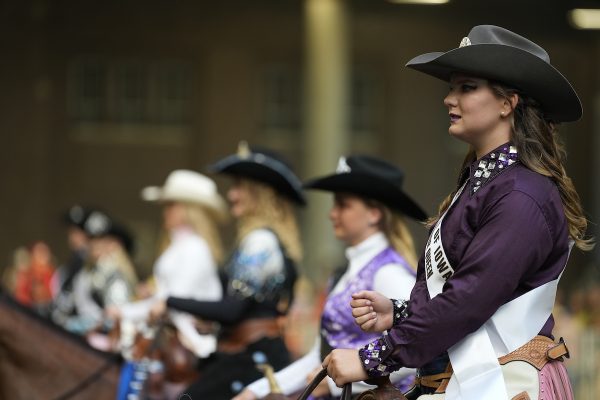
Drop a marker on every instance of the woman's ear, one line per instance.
(375, 216)
(509, 104)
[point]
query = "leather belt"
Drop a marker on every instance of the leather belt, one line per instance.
(248, 332)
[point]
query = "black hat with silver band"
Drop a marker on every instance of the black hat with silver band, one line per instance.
(372, 178)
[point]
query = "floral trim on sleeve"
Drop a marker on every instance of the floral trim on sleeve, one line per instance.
(375, 357)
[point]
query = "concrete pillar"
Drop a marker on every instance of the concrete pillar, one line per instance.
(592, 227)
(326, 122)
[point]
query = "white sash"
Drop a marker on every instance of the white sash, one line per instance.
(476, 371)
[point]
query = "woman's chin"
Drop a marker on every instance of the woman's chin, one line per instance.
(339, 235)
(458, 134)
(236, 212)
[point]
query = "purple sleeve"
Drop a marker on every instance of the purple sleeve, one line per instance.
(512, 239)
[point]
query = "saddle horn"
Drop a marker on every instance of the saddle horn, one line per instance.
(260, 359)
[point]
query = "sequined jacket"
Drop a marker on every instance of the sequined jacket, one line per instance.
(505, 235)
(259, 285)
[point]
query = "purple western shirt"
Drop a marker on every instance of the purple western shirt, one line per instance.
(505, 235)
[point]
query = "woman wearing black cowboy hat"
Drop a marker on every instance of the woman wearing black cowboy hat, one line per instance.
(63, 303)
(487, 280)
(368, 216)
(261, 273)
(108, 277)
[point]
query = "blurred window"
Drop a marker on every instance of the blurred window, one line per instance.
(128, 91)
(282, 108)
(88, 93)
(282, 105)
(365, 102)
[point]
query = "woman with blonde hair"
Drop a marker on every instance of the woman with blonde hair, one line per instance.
(188, 263)
(368, 215)
(261, 273)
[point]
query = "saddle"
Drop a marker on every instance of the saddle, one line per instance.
(384, 390)
(169, 364)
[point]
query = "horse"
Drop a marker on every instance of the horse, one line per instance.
(40, 360)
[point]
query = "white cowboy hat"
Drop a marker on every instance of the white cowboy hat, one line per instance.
(188, 186)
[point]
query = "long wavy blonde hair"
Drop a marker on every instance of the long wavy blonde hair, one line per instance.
(541, 150)
(125, 265)
(393, 225)
(268, 209)
(205, 223)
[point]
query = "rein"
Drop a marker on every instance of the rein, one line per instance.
(384, 391)
(93, 377)
(346, 392)
(78, 388)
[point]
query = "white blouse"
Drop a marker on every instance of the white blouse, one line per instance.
(185, 269)
(392, 280)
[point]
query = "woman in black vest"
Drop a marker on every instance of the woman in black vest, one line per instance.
(260, 274)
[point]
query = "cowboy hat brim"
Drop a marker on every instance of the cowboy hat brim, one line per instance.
(371, 187)
(268, 171)
(511, 66)
(159, 194)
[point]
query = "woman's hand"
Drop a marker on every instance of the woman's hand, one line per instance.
(158, 310)
(113, 313)
(372, 311)
(246, 394)
(322, 388)
(344, 366)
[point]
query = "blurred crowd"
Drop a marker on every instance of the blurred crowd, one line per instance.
(74, 292)
(577, 319)
(31, 276)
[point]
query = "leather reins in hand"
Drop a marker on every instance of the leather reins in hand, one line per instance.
(346, 392)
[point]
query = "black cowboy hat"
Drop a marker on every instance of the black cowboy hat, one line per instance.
(99, 224)
(263, 166)
(372, 178)
(498, 54)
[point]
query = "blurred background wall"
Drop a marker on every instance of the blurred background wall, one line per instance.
(101, 98)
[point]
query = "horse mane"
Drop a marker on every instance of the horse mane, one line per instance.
(9, 301)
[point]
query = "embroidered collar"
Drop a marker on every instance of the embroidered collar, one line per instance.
(491, 165)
